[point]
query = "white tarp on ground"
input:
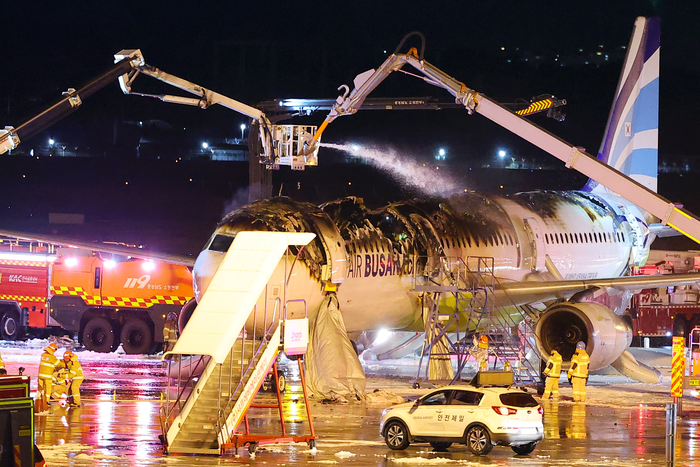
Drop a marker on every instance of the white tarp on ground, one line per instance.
(233, 291)
(330, 349)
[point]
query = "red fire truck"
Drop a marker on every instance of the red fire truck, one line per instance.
(24, 285)
(104, 299)
(670, 311)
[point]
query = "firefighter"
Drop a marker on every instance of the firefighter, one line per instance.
(75, 376)
(60, 382)
(170, 333)
(480, 351)
(2, 364)
(552, 371)
(46, 369)
(578, 373)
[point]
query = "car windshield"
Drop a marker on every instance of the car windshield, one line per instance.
(518, 399)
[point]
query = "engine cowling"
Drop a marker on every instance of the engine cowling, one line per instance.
(605, 334)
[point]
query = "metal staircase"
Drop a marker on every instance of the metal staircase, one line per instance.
(449, 332)
(217, 367)
(209, 405)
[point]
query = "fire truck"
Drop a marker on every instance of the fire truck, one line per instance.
(104, 299)
(24, 284)
(668, 311)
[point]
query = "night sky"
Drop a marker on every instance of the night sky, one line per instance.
(257, 51)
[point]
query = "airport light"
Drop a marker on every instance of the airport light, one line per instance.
(501, 153)
(441, 155)
(355, 148)
(51, 142)
(242, 130)
(205, 145)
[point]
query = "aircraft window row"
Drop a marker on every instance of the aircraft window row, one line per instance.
(502, 239)
(371, 247)
(586, 237)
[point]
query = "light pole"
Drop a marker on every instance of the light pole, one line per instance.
(242, 130)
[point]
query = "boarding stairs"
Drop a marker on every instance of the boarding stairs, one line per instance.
(450, 332)
(217, 366)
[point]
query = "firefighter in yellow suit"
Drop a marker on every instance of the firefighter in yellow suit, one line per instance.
(46, 368)
(552, 371)
(170, 333)
(75, 375)
(578, 372)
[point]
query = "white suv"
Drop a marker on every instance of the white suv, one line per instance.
(479, 417)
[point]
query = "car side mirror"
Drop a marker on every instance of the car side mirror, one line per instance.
(415, 406)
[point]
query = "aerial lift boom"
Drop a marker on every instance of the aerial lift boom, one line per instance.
(10, 137)
(280, 144)
(574, 157)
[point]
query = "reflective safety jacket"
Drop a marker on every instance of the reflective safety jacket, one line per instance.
(170, 331)
(73, 368)
(553, 365)
(47, 365)
(579, 364)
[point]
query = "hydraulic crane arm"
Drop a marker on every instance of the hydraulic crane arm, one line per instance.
(350, 102)
(281, 144)
(11, 137)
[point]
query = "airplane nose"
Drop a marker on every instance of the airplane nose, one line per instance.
(204, 269)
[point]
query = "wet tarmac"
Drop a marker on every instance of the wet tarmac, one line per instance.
(119, 425)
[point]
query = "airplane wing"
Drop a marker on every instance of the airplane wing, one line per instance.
(520, 293)
(134, 252)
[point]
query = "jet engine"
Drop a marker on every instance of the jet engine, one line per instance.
(605, 334)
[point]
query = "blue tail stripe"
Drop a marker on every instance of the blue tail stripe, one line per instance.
(644, 162)
(640, 119)
(634, 114)
(648, 99)
(619, 107)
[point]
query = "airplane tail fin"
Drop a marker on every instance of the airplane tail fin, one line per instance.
(630, 143)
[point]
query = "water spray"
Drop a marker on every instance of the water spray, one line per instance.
(403, 168)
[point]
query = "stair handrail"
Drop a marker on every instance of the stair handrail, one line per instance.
(223, 412)
(168, 412)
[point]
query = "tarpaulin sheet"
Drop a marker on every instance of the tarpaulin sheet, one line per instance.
(330, 349)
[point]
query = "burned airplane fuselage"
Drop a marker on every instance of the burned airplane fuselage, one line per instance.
(372, 259)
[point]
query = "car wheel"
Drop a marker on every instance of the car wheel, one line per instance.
(396, 435)
(98, 335)
(440, 446)
(523, 449)
(136, 337)
(478, 440)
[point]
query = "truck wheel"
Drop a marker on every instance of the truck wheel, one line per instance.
(98, 335)
(9, 326)
(282, 382)
(136, 337)
(680, 326)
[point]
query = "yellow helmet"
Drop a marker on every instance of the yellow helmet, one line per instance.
(484, 342)
(67, 355)
(52, 347)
